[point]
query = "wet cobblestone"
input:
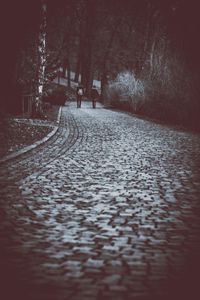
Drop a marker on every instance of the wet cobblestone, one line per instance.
(106, 209)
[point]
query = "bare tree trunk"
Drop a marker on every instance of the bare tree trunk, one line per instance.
(68, 73)
(58, 77)
(64, 69)
(143, 54)
(78, 70)
(103, 84)
(80, 51)
(106, 56)
(152, 56)
(41, 59)
(86, 57)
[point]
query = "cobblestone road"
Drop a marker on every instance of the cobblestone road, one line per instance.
(106, 209)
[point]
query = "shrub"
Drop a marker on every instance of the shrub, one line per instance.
(126, 89)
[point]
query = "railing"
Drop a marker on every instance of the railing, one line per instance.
(27, 104)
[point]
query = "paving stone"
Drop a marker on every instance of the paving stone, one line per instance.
(112, 279)
(106, 209)
(94, 263)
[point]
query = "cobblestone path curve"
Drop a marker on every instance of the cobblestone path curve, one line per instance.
(107, 209)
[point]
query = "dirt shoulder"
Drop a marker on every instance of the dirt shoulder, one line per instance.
(17, 132)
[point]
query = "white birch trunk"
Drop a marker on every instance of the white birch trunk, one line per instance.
(41, 55)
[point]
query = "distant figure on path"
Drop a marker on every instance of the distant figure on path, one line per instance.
(79, 94)
(94, 96)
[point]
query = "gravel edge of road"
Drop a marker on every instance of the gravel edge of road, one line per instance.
(34, 145)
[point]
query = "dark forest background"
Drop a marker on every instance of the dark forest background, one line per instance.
(144, 52)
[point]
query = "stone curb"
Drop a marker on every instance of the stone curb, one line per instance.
(33, 146)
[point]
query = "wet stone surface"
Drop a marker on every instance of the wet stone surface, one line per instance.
(107, 209)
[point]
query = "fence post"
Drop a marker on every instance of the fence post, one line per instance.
(23, 105)
(31, 104)
(27, 104)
